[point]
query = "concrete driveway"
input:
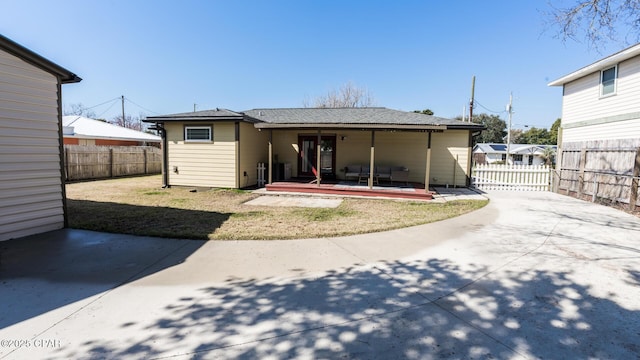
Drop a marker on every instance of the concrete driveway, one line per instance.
(532, 275)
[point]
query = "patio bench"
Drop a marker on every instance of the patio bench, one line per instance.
(352, 171)
(392, 173)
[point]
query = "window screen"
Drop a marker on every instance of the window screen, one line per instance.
(197, 133)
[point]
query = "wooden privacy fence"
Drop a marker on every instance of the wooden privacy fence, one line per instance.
(511, 177)
(98, 162)
(601, 175)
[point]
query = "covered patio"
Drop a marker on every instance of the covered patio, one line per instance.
(321, 146)
(349, 188)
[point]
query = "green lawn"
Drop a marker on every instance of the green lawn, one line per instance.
(140, 206)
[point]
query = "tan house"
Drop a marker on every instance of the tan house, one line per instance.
(32, 198)
(221, 148)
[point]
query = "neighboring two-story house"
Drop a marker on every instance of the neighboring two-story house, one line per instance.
(599, 137)
(600, 103)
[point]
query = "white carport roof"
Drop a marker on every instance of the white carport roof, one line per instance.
(85, 128)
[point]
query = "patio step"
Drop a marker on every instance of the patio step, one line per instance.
(332, 189)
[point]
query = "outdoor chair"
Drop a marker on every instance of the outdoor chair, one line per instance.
(352, 171)
(364, 174)
(382, 172)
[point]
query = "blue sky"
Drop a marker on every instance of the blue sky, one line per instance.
(164, 56)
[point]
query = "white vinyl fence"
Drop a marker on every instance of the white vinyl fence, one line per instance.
(511, 177)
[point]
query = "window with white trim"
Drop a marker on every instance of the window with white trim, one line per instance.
(608, 81)
(197, 134)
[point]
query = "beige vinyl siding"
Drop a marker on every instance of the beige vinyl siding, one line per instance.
(449, 155)
(353, 150)
(408, 149)
(254, 148)
(587, 116)
(397, 148)
(30, 179)
(206, 164)
(285, 147)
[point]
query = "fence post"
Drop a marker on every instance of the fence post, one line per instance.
(633, 198)
(66, 163)
(111, 162)
(583, 160)
(144, 151)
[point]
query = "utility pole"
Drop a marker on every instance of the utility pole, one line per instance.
(124, 121)
(473, 88)
(510, 111)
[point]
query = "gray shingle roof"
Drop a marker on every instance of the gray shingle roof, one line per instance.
(352, 116)
(204, 115)
(372, 117)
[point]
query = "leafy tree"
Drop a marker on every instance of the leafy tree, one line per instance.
(598, 21)
(496, 128)
(548, 155)
(349, 95)
(516, 136)
(553, 132)
(535, 135)
(539, 136)
(425, 111)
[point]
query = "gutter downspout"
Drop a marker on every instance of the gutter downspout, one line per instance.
(165, 155)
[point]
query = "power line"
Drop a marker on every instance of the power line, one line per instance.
(489, 110)
(109, 108)
(108, 101)
(141, 107)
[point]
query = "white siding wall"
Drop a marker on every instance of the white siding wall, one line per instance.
(587, 116)
(492, 158)
(30, 181)
(210, 164)
(629, 129)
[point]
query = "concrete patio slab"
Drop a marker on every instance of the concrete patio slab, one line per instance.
(531, 275)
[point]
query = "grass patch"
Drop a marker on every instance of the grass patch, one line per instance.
(325, 214)
(155, 193)
(137, 206)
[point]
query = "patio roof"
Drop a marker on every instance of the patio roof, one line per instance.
(360, 118)
(323, 118)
